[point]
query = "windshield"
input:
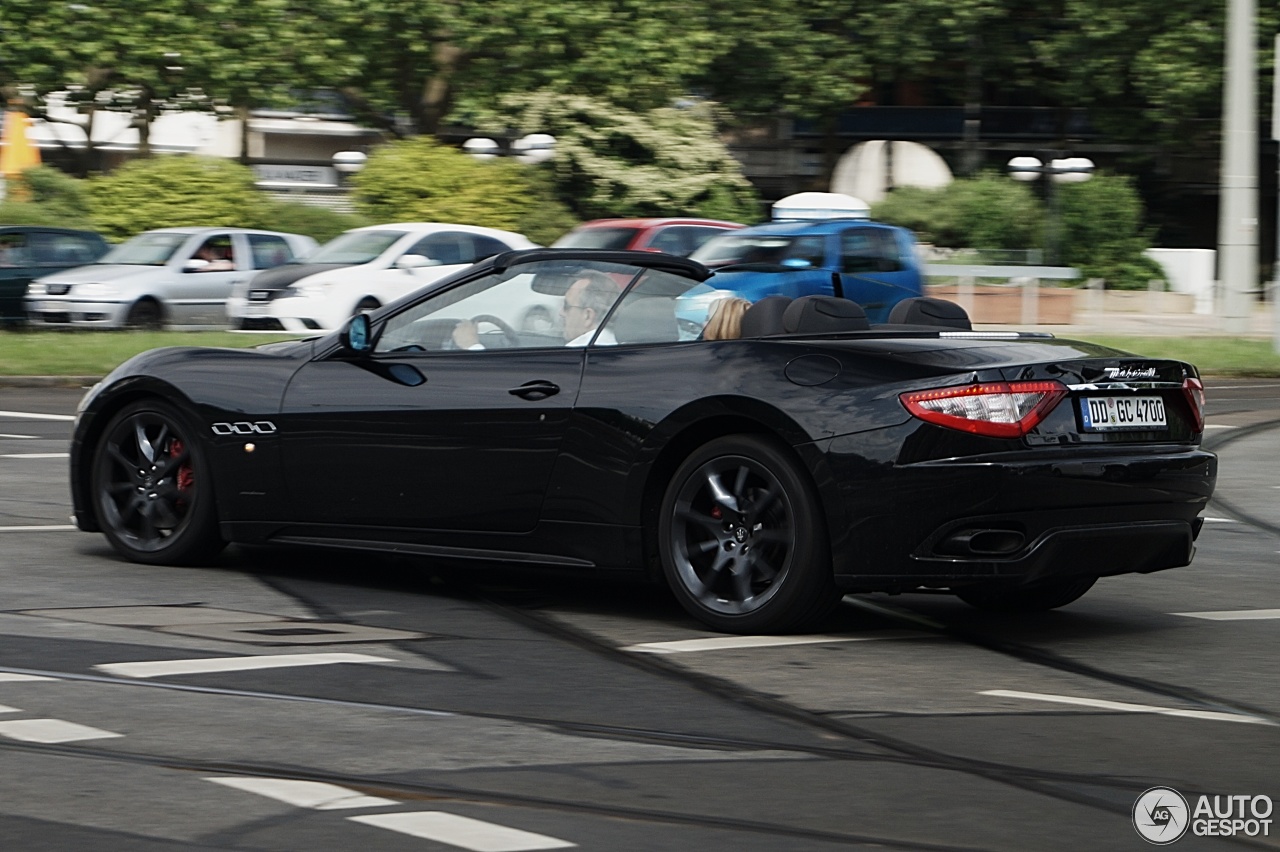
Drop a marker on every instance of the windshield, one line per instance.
(773, 249)
(354, 247)
(146, 250)
(613, 239)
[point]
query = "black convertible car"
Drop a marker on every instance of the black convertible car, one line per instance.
(762, 476)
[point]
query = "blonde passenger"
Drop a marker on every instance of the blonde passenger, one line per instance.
(726, 319)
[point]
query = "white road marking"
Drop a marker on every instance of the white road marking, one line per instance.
(1221, 521)
(51, 731)
(1233, 614)
(31, 415)
(161, 668)
(728, 643)
(1216, 426)
(14, 677)
(36, 456)
(1125, 707)
(3, 435)
(304, 794)
(464, 832)
(5, 708)
(40, 528)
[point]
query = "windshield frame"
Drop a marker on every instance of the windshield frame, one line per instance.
(352, 240)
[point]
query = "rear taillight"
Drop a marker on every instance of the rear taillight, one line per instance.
(1194, 391)
(996, 409)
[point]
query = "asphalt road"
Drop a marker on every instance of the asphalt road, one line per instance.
(411, 707)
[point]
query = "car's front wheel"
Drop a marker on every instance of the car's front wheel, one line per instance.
(145, 315)
(1006, 597)
(152, 487)
(742, 539)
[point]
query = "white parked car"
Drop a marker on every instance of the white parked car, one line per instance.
(170, 276)
(361, 270)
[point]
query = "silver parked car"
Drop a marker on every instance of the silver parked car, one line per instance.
(170, 276)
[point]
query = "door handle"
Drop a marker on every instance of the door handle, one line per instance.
(536, 390)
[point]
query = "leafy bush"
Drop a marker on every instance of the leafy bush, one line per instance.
(1103, 233)
(57, 193)
(174, 190)
(421, 180)
(1100, 224)
(613, 162)
(292, 217)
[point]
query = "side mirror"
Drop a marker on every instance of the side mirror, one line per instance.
(195, 264)
(356, 337)
(414, 261)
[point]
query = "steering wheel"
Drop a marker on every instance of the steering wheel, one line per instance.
(513, 338)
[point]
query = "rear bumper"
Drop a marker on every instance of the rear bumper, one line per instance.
(951, 523)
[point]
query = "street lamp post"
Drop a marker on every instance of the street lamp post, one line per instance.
(348, 163)
(531, 149)
(1056, 171)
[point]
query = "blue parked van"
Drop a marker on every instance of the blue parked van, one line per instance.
(869, 262)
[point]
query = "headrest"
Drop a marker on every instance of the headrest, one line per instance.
(922, 310)
(765, 317)
(824, 315)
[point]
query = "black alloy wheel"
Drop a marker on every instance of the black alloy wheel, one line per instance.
(152, 489)
(743, 541)
(1007, 597)
(144, 315)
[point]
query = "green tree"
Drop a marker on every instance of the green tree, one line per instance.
(422, 180)
(615, 162)
(986, 212)
(1104, 233)
(171, 191)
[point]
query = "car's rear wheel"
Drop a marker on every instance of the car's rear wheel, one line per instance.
(144, 315)
(152, 488)
(1007, 597)
(742, 539)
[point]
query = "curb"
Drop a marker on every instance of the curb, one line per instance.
(49, 381)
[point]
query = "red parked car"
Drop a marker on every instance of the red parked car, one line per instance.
(674, 236)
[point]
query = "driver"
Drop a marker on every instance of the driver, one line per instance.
(586, 302)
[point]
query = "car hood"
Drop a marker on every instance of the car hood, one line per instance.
(101, 273)
(282, 276)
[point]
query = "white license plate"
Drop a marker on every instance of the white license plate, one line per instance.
(1108, 413)
(257, 309)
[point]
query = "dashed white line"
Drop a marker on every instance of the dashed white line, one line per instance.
(1233, 614)
(728, 643)
(32, 415)
(3, 435)
(15, 677)
(36, 456)
(51, 731)
(1216, 426)
(161, 668)
(1125, 707)
(40, 528)
(463, 832)
(1221, 521)
(304, 794)
(5, 708)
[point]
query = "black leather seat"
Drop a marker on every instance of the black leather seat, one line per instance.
(824, 315)
(923, 310)
(765, 317)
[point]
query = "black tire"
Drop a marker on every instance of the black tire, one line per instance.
(152, 488)
(1006, 597)
(743, 541)
(145, 315)
(368, 303)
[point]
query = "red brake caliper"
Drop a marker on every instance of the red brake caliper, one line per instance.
(186, 476)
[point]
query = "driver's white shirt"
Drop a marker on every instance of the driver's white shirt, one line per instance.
(606, 338)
